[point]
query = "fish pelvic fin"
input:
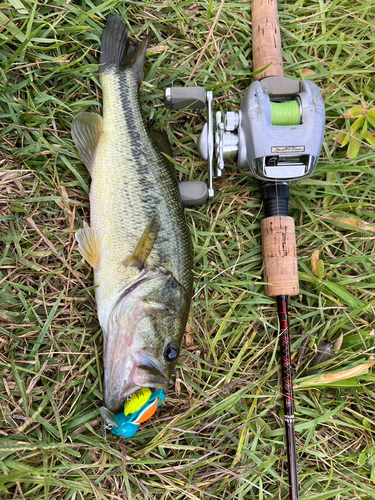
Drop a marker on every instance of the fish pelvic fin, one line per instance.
(118, 52)
(145, 244)
(89, 246)
(86, 131)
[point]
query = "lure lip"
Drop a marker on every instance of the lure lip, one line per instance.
(109, 418)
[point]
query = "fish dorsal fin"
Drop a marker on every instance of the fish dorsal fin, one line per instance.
(117, 51)
(86, 131)
(145, 244)
(89, 246)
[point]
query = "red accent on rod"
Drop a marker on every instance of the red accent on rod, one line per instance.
(282, 308)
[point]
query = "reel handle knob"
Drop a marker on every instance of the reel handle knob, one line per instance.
(193, 193)
(185, 97)
(213, 144)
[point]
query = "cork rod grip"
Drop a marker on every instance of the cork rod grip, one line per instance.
(266, 39)
(279, 256)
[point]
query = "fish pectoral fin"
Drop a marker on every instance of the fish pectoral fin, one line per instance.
(145, 244)
(86, 131)
(89, 246)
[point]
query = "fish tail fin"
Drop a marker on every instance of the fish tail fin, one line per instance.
(118, 52)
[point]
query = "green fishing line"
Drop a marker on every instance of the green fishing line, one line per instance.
(285, 113)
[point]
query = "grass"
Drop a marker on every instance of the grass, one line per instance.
(220, 434)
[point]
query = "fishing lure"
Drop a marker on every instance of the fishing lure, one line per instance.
(140, 407)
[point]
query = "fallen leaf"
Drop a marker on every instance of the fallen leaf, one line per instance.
(189, 340)
(317, 265)
(369, 137)
(193, 9)
(371, 116)
(157, 49)
(328, 378)
(177, 386)
(307, 72)
(342, 138)
(357, 124)
(189, 328)
(355, 112)
(337, 345)
(320, 269)
(314, 262)
(354, 145)
(352, 222)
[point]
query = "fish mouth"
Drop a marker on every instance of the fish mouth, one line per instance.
(146, 372)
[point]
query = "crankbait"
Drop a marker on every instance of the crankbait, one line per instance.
(140, 407)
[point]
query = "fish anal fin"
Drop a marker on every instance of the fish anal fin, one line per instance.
(145, 244)
(89, 246)
(86, 131)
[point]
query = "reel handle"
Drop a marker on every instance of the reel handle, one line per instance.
(266, 39)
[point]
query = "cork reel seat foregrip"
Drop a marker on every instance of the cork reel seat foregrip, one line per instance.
(278, 242)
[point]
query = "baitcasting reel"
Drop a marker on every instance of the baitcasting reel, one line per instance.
(277, 133)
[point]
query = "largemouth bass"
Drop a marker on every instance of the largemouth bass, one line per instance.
(138, 242)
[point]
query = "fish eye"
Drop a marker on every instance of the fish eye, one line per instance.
(171, 352)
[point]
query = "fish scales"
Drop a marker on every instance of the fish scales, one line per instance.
(138, 244)
(135, 177)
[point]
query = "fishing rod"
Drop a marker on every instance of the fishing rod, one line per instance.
(277, 135)
(277, 228)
